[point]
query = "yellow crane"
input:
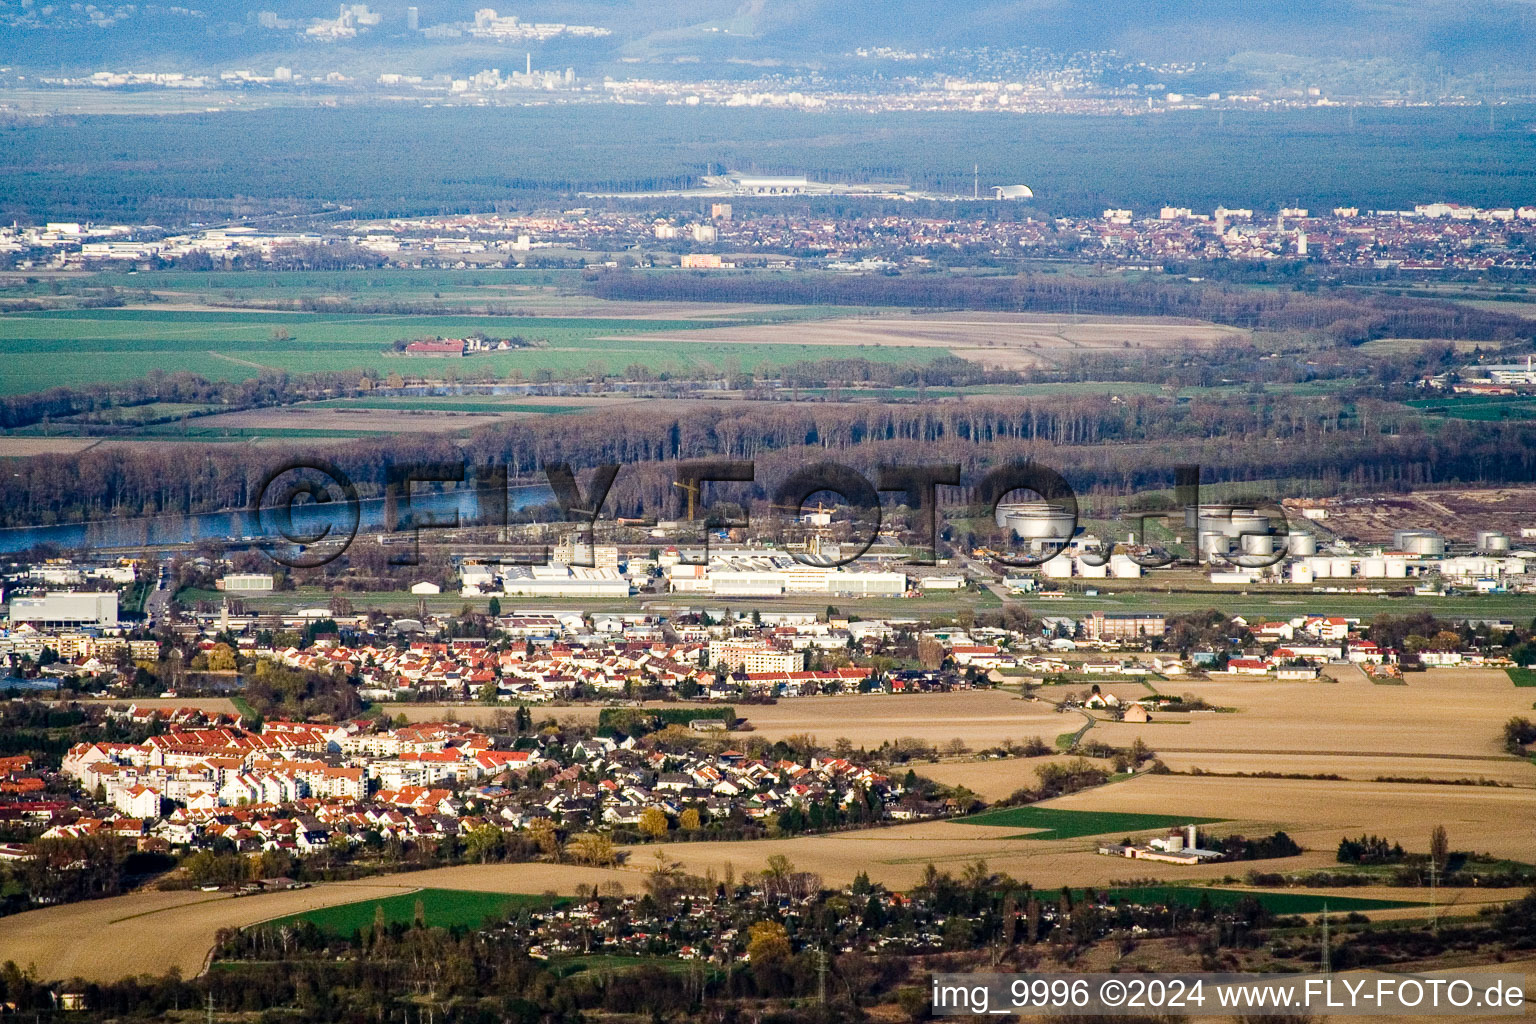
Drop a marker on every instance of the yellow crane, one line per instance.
(693, 493)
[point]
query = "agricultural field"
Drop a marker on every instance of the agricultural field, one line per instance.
(1055, 823)
(13, 447)
(1274, 902)
(1454, 716)
(440, 908)
(151, 931)
(978, 718)
(1442, 722)
(996, 340)
(1481, 407)
(220, 344)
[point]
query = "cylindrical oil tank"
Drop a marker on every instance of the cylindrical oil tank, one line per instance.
(1420, 542)
(1397, 568)
(1340, 568)
(1374, 567)
(1301, 572)
(1260, 545)
(1124, 567)
(1057, 568)
(1492, 541)
(1036, 520)
(1210, 518)
(1248, 523)
(1300, 545)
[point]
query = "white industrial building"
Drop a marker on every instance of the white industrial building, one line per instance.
(246, 583)
(70, 609)
(770, 575)
(555, 579)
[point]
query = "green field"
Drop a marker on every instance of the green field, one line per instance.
(429, 403)
(1483, 407)
(1276, 902)
(1060, 823)
(85, 346)
(1522, 676)
(1274, 602)
(441, 908)
(1232, 601)
(566, 966)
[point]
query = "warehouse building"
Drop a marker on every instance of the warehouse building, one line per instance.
(76, 610)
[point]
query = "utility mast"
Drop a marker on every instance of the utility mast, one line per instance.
(1326, 959)
(976, 181)
(1434, 904)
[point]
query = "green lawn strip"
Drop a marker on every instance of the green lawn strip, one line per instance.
(441, 908)
(427, 404)
(1060, 823)
(1522, 676)
(1276, 902)
(565, 966)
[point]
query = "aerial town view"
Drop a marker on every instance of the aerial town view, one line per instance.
(773, 512)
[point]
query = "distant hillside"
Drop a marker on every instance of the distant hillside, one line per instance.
(1454, 34)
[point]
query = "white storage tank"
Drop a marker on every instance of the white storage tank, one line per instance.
(1301, 545)
(1321, 566)
(1493, 542)
(1088, 570)
(1248, 523)
(1341, 568)
(1374, 567)
(1397, 568)
(1301, 572)
(1124, 567)
(1258, 545)
(1036, 520)
(1420, 542)
(1058, 568)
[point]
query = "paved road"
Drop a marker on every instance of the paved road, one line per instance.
(157, 607)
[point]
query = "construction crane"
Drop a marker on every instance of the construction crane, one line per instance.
(693, 493)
